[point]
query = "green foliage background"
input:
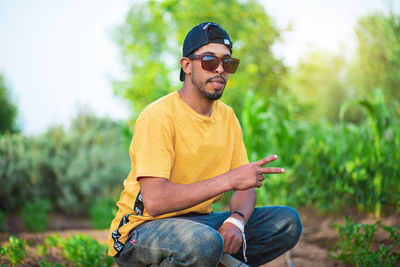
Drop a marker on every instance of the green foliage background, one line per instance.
(327, 118)
(333, 120)
(151, 44)
(377, 63)
(355, 245)
(71, 168)
(328, 166)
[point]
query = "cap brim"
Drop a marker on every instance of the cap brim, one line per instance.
(182, 75)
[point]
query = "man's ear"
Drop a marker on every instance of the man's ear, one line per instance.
(186, 65)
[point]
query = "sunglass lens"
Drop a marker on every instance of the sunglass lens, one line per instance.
(230, 65)
(209, 63)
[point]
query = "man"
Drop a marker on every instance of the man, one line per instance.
(186, 151)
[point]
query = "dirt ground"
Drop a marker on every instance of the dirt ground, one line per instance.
(311, 250)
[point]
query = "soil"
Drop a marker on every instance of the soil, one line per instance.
(312, 249)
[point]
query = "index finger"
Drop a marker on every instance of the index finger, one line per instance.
(271, 170)
(266, 160)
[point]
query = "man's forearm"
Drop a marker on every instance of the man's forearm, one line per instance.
(243, 201)
(161, 196)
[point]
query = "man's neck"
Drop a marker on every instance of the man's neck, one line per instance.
(196, 101)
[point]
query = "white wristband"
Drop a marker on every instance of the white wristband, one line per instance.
(240, 225)
(235, 222)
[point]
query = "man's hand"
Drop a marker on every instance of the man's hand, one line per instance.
(251, 175)
(232, 237)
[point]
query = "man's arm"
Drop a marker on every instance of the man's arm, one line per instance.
(242, 201)
(161, 196)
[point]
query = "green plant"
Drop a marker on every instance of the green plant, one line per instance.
(8, 109)
(81, 250)
(101, 212)
(381, 154)
(15, 250)
(85, 251)
(45, 263)
(49, 242)
(3, 251)
(327, 166)
(96, 162)
(154, 30)
(355, 245)
(394, 233)
(35, 214)
(53, 240)
(70, 168)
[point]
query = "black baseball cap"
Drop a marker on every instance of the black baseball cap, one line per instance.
(202, 34)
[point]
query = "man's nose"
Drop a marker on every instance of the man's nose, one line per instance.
(220, 68)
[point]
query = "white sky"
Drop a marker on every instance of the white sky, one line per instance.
(58, 56)
(321, 24)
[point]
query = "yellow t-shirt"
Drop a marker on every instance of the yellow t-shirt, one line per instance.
(172, 141)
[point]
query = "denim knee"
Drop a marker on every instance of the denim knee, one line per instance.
(293, 225)
(207, 247)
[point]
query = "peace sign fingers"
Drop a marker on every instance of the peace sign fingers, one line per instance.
(265, 161)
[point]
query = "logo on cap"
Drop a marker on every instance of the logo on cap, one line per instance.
(206, 26)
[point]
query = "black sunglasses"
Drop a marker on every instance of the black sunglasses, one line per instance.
(211, 63)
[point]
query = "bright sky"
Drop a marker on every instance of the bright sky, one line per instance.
(58, 56)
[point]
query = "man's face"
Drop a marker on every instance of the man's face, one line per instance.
(211, 84)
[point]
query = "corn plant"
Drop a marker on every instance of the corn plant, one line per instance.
(377, 161)
(327, 166)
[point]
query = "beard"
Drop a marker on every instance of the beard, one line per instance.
(210, 96)
(201, 86)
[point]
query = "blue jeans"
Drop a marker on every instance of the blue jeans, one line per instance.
(193, 239)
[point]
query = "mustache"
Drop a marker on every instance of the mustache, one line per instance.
(218, 76)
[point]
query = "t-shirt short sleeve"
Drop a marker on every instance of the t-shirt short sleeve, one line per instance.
(239, 156)
(152, 148)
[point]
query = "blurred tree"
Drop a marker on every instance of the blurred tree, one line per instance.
(151, 41)
(377, 64)
(8, 110)
(319, 85)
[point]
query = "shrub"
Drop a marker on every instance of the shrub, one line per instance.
(97, 160)
(49, 242)
(85, 251)
(68, 167)
(101, 212)
(15, 250)
(80, 250)
(15, 161)
(45, 263)
(35, 214)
